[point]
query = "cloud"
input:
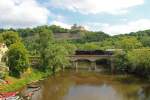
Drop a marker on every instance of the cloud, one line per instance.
(133, 26)
(96, 6)
(22, 13)
(58, 23)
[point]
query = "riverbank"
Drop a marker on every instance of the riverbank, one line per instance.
(15, 84)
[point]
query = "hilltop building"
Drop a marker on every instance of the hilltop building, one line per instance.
(76, 27)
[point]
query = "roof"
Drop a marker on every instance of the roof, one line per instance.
(93, 52)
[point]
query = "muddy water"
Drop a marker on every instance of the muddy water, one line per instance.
(70, 85)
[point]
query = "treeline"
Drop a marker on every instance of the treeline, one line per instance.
(53, 54)
(131, 50)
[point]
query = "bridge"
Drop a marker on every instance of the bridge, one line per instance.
(92, 56)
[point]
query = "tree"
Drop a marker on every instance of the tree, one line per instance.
(45, 38)
(56, 57)
(58, 29)
(89, 46)
(17, 59)
(139, 59)
(145, 41)
(94, 36)
(10, 37)
(53, 55)
(70, 47)
(128, 43)
(1, 39)
(121, 60)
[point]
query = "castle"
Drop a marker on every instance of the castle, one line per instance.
(76, 27)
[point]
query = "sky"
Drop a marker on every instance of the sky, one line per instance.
(111, 16)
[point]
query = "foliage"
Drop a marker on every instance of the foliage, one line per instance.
(10, 37)
(93, 37)
(31, 43)
(145, 40)
(56, 57)
(2, 74)
(128, 43)
(88, 46)
(26, 79)
(1, 38)
(68, 46)
(57, 29)
(121, 60)
(17, 59)
(45, 38)
(139, 59)
(53, 55)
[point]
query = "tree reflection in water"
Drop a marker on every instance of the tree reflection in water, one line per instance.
(92, 86)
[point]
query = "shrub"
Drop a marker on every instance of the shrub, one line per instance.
(17, 59)
(139, 59)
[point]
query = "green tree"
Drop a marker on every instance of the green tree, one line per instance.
(1, 38)
(139, 59)
(128, 43)
(53, 55)
(145, 41)
(56, 57)
(121, 61)
(45, 38)
(70, 47)
(17, 59)
(89, 46)
(10, 37)
(94, 36)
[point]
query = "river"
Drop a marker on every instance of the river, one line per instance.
(86, 85)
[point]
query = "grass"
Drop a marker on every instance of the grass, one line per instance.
(27, 78)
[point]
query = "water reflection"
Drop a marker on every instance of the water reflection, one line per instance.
(92, 86)
(88, 92)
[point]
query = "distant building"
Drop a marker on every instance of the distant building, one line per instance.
(76, 27)
(3, 50)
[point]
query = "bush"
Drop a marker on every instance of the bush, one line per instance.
(2, 75)
(139, 59)
(121, 61)
(17, 59)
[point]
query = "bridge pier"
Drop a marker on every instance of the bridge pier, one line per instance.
(63, 68)
(112, 65)
(93, 65)
(89, 68)
(76, 65)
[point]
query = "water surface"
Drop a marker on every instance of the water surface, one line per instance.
(72, 85)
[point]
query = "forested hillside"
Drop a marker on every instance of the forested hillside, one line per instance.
(91, 40)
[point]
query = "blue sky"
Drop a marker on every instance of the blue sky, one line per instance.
(110, 16)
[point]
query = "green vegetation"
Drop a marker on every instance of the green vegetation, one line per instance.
(17, 59)
(53, 55)
(27, 78)
(132, 51)
(128, 43)
(93, 37)
(10, 37)
(139, 60)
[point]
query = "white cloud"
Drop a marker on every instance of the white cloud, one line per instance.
(58, 23)
(22, 13)
(141, 24)
(97, 6)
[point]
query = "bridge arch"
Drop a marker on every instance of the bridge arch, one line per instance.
(93, 57)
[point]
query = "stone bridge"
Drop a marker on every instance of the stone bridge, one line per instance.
(92, 56)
